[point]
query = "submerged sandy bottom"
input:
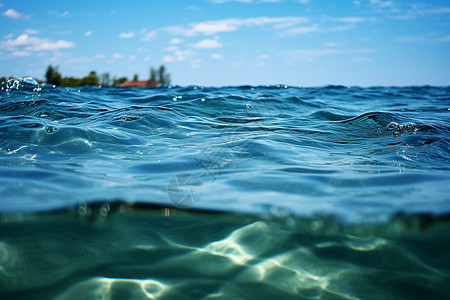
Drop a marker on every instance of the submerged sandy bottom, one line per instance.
(135, 252)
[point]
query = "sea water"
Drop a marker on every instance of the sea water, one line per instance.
(247, 192)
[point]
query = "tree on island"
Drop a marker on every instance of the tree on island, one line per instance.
(91, 79)
(158, 76)
(52, 76)
(105, 79)
(119, 81)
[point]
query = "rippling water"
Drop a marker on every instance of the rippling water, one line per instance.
(292, 193)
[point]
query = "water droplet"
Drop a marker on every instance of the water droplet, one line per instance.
(410, 127)
(51, 129)
(392, 126)
(203, 99)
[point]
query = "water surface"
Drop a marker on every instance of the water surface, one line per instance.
(291, 193)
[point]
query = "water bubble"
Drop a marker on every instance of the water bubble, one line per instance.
(51, 129)
(203, 99)
(397, 129)
(410, 127)
(392, 126)
(248, 105)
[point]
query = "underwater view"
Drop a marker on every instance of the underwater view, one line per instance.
(239, 192)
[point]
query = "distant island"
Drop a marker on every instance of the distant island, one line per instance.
(52, 76)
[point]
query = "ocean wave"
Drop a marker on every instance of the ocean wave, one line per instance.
(313, 149)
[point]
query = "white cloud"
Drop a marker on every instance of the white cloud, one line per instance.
(132, 57)
(330, 44)
(437, 10)
(349, 19)
(423, 38)
(117, 56)
(342, 27)
(168, 59)
(214, 27)
(27, 43)
(302, 30)
(126, 35)
(12, 14)
(444, 39)
(176, 41)
(66, 32)
(20, 53)
(308, 54)
(193, 7)
(207, 44)
(142, 49)
(179, 56)
(171, 48)
(113, 12)
(58, 14)
(264, 56)
(217, 56)
(88, 33)
(228, 25)
(31, 31)
(99, 56)
(148, 35)
(382, 3)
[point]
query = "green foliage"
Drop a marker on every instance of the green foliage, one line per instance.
(158, 76)
(105, 79)
(52, 76)
(91, 79)
(163, 77)
(70, 81)
(119, 80)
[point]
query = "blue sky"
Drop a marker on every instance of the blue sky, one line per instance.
(232, 42)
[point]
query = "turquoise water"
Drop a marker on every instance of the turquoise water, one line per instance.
(249, 192)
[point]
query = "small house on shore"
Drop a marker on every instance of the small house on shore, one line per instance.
(138, 83)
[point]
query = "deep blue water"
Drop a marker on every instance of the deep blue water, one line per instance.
(291, 193)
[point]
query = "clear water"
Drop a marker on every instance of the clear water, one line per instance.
(224, 193)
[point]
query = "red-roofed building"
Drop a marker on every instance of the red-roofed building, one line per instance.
(137, 83)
